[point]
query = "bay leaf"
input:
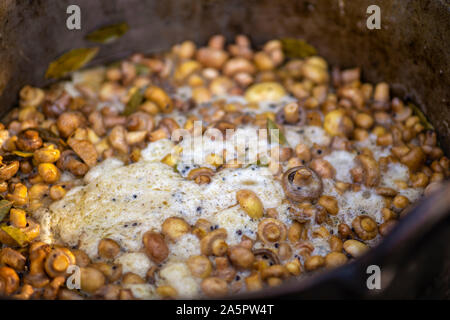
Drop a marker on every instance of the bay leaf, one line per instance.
(135, 101)
(17, 234)
(108, 34)
(423, 119)
(297, 48)
(142, 69)
(23, 154)
(273, 135)
(70, 61)
(5, 206)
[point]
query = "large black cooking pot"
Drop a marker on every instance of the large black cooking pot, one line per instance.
(411, 51)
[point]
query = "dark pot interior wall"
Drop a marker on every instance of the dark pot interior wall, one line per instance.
(411, 51)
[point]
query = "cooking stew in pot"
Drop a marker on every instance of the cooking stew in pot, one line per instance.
(204, 172)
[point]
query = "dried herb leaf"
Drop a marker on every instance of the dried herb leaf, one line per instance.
(274, 133)
(142, 69)
(135, 101)
(49, 136)
(108, 34)
(5, 206)
(18, 235)
(260, 163)
(297, 48)
(23, 154)
(70, 61)
(422, 117)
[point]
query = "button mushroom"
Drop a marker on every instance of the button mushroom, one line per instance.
(68, 122)
(29, 141)
(302, 184)
(365, 227)
(91, 279)
(355, 248)
(314, 263)
(250, 203)
(85, 150)
(12, 258)
(366, 171)
(112, 272)
(9, 281)
(58, 261)
(337, 123)
(272, 230)
(81, 258)
(36, 276)
(200, 266)
(414, 159)
(323, 168)
(241, 258)
(155, 246)
(108, 248)
(201, 175)
(214, 243)
(335, 259)
(214, 287)
(8, 170)
(25, 292)
(292, 114)
(175, 227)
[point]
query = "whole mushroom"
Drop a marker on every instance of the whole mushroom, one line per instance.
(9, 281)
(155, 246)
(58, 261)
(302, 184)
(214, 243)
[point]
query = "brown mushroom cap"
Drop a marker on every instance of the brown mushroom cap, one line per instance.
(108, 248)
(91, 279)
(371, 175)
(112, 272)
(365, 227)
(214, 243)
(9, 281)
(81, 258)
(8, 170)
(12, 258)
(200, 266)
(214, 287)
(155, 246)
(29, 141)
(241, 257)
(302, 184)
(198, 172)
(175, 227)
(58, 261)
(272, 230)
